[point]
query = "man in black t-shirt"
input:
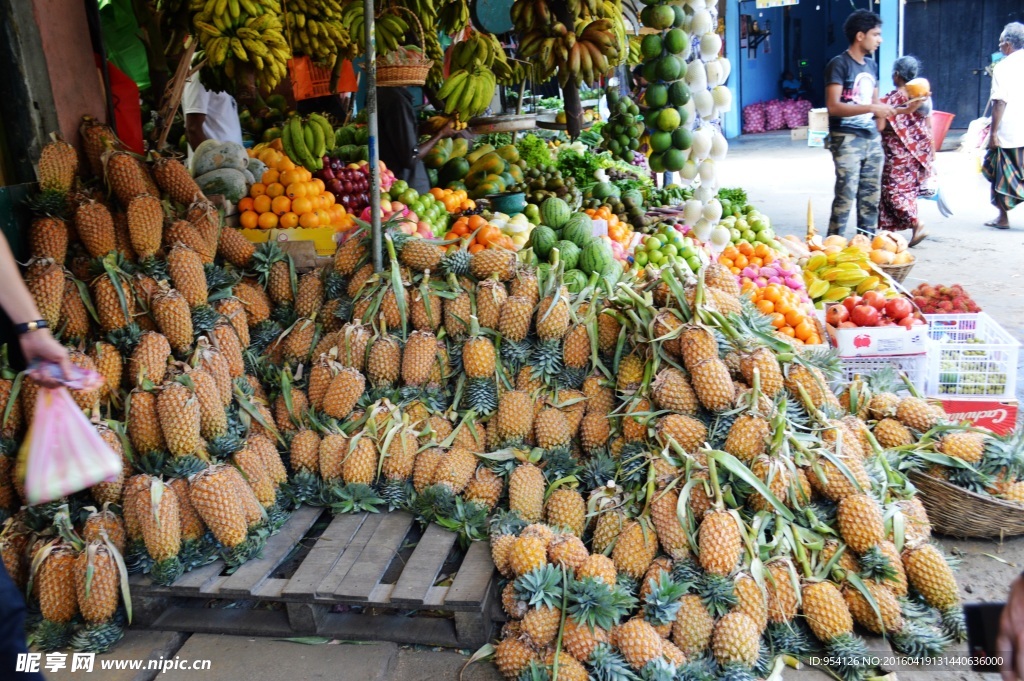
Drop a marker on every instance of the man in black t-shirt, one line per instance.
(851, 95)
(399, 137)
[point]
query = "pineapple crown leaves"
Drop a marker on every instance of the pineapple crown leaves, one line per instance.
(659, 669)
(790, 638)
(541, 587)
(506, 522)
(919, 640)
(717, 593)
(662, 604)
(357, 498)
(736, 468)
(469, 520)
(593, 603)
(607, 664)
(83, 293)
(876, 565)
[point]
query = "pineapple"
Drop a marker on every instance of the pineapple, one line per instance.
(860, 522)
(455, 469)
(890, 433)
(161, 530)
(671, 390)
(671, 532)
(580, 639)
(768, 370)
(182, 232)
(399, 458)
(105, 524)
(420, 255)
(608, 527)
(514, 420)
(512, 655)
(888, 620)
(595, 431)
(526, 487)
(143, 420)
(145, 220)
(457, 312)
(95, 228)
(569, 668)
(58, 164)
(484, 488)
(630, 373)
(847, 561)
(58, 601)
(696, 344)
(835, 485)
(96, 138)
(748, 438)
(343, 393)
(213, 497)
(638, 641)
(735, 640)
(566, 508)
(776, 476)
(635, 548)
(332, 456)
(250, 463)
(598, 566)
(686, 431)
(304, 451)
(235, 248)
(186, 270)
(109, 364)
(97, 581)
(930, 574)
(425, 309)
(551, 429)
(493, 262)
(720, 542)
(309, 297)
(712, 383)
(527, 554)
(48, 239)
(490, 299)
(541, 624)
(966, 446)
(515, 319)
(173, 318)
(825, 611)
(360, 464)
(916, 413)
(192, 527)
(751, 601)
(180, 422)
(350, 255)
(781, 590)
(424, 467)
(600, 398)
(233, 310)
(576, 347)
(173, 178)
(74, 316)
(568, 550)
(45, 281)
(418, 358)
(124, 176)
(693, 627)
(384, 361)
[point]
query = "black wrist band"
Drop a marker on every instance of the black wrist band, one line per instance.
(28, 327)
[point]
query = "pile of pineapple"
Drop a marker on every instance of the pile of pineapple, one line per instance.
(670, 489)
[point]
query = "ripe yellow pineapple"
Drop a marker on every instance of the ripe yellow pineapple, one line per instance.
(888, 619)
(860, 522)
(580, 640)
(173, 177)
(173, 318)
(58, 600)
(484, 488)
(966, 446)
(455, 469)
(551, 429)
(930, 574)
(748, 437)
(250, 463)
(686, 431)
(512, 655)
(143, 419)
(693, 627)
(638, 641)
(212, 494)
(527, 554)
(495, 263)
(672, 391)
(235, 248)
(917, 413)
(180, 422)
(95, 228)
(48, 238)
(58, 163)
(331, 456)
(720, 542)
(713, 384)
(671, 532)
(891, 433)
(45, 281)
(736, 640)
(696, 344)
(566, 508)
(825, 610)
(343, 393)
(635, 548)
(751, 600)
(540, 624)
(781, 590)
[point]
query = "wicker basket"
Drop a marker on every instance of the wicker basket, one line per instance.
(898, 272)
(957, 512)
(408, 73)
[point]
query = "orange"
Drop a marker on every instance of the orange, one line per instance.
(804, 330)
(302, 205)
(745, 248)
(257, 189)
(309, 220)
(295, 190)
(726, 261)
(437, 193)
(337, 213)
(756, 261)
(787, 331)
(262, 203)
(768, 258)
(330, 199)
(304, 174)
(289, 220)
(288, 177)
(245, 204)
(476, 222)
(778, 320)
(270, 176)
(325, 217)
(741, 261)
(285, 164)
(467, 204)
(312, 189)
(249, 219)
(281, 205)
(794, 317)
(783, 306)
(476, 248)
(765, 306)
(275, 189)
(268, 221)
(319, 184)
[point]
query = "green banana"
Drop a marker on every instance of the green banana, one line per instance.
(319, 143)
(325, 126)
(302, 154)
(286, 141)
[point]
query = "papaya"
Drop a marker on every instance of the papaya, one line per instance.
(475, 177)
(515, 172)
(479, 152)
(460, 147)
(495, 180)
(509, 153)
(507, 178)
(454, 169)
(490, 162)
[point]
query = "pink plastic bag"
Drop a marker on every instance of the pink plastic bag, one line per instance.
(62, 452)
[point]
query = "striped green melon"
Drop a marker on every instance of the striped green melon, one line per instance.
(579, 229)
(596, 257)
(575, 281)
(569, 253)
(542, 240)
(554, 212)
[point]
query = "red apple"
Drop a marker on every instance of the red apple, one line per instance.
(865, 315)
(836, 315)
(898, 308)
(851, 302)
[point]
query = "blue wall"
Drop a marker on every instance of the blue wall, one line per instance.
(760, 72)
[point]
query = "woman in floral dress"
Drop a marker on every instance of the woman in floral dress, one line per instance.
(907, 141)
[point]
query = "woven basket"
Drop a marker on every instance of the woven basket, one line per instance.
(957, 512)
(409, 73)
(898, 272)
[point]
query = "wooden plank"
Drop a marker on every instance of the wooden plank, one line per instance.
(420, 572)
(233, 621)
(427, 631)
(270, 589)
(375, 558)
(435, 597)
(323, 556)
(191, 583)
(325, 590)
(212, 587)
(251, 575)
(470, 585)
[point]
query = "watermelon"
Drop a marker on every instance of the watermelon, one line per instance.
(542, 240)
(569, 253)
(579, 229)
(554, 212)
(596, 256)
(213, 155)
(605, 190)
(575, 280)
(229, 182)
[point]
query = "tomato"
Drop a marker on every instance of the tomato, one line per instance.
(898, 308)
(865, 315)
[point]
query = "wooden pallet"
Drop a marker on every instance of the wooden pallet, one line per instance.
(359, 560)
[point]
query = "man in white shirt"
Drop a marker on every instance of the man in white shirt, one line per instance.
(209, 115)
(1004, 164)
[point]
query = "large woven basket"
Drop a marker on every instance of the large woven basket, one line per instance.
(898, 272)
(408, 73)
(957, 512)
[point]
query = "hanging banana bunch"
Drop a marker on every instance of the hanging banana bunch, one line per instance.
(636, 56)
(468, 92)
(581, 54)
(477, 53)
(389, 29)
(454, 16)
(316, 30)
(233, 33)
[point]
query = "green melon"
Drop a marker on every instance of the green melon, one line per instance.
(682, 138)
(680, 16)
(674, 160)
(655, 162)
(650, 70)
(579, 229)
(658, 17)
(542, 240)
(554, 212)
(569, 253)
(596, 256)
(668, 119)
(660, 141)
(574, 280)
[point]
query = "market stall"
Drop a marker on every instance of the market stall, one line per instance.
(624, 414)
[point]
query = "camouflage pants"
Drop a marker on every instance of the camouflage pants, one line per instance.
(859, 164)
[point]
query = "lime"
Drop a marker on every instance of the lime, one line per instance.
(679, 93)
(660, 141)
(675, 41)
(670, 68)
(674, 159)
(682, 138)
(657, 95)
(650, 46)
(668, 120)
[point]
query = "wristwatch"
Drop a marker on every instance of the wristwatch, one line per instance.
(28, 327)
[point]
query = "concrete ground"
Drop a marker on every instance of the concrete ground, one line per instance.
(779, 176)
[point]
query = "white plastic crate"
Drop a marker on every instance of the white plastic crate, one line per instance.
(972, 357)
(914, 366)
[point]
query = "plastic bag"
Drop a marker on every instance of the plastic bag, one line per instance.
(62, 452)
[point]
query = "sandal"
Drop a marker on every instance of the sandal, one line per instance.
(919, 235)
(998, 225)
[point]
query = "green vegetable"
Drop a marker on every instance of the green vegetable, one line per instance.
(580, 166)
(534, 151)
(737, 196)
(495, 139)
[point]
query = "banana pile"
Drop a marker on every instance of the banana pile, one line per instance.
(389, 29)
(596, 42)
(315, 29)
(635, 55)
(233, 32)
(306, 141)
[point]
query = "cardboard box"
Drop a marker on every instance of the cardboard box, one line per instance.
(325, 239)
(879, 341)
(817, 120)
(816, 138)
(998, 416)
(798, 133)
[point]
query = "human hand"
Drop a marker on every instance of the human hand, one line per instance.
(883, 110)
(993, 140)
(1010, 642)
(39, 345)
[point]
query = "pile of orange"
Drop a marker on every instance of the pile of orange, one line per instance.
(476, 234)
(288, 196)
(619, 231)
(453, 200)
(789, 314)
(738, 256)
